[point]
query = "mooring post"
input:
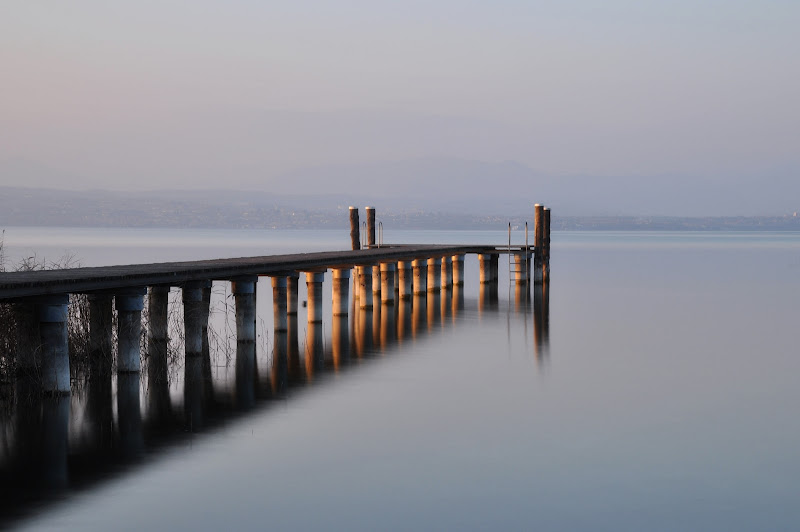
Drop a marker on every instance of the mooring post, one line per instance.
(129, 305)
(434, 274)
(52, 313)
(340, 292)
(546, 245)
(314, 285)
(420, 271)
(458, 269)
(370, 226)
(538, 242)
(244, 294)
(279, 303)
(447, 271)
(404, 279)
(387, 270)
(355, 238)
(365, 286)
(291, 293)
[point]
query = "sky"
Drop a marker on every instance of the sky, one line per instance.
(241, 94)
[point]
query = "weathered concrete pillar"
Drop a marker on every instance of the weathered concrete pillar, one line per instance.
(340, 341)
(521, 261)
(447, 272)
(129, 415)
(244, 293)
(192, 296)
(458, 270)
(340, 292)
(376, 281)
(370, 226)
(158, 400)
(485, 267)
(129, 305)
(387, 270)
(420, 271)
(365, 286)
(434, 274)
(291, 293)
(314, 285)
(52, 313)
(405, 279)
(279, 303)
(355, 227)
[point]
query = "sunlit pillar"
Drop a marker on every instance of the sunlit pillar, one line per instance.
(365, 286)
(405, 279)
(387, 270)
(458, 269)
(340, 291)
(420, 270)
(447, 271)
(314, 287)
(434, 274)
(291, 293)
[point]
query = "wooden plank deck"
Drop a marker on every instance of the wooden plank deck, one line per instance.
(81, 280)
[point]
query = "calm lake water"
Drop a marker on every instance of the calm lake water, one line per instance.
(654, 387)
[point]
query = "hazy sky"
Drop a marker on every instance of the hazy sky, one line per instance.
(175, 93)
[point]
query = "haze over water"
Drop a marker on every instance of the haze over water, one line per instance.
(661, 397)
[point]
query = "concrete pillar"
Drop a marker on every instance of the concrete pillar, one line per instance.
(365, 286)
(340, 292)
(314, 284)
(101, 323)
(291, 293)
(485, 266)
(521, 261)
(158, 399)
(420, 272)
(458, 270)
(244, 293)
(376, 280)
(192, 296)
(494, 259)
(52, 313)
(279, 303)
(129, 304)
(434, 274)
(447, 272)
(404, 279)
(387, 270)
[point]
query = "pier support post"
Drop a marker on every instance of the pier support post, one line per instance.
(447, 272)
(340, 292)
(538, 242)
(52, 313)
(355, 238)
(314, 285)
(279, 303)
(521, 261)
(244, 294)
(404, 279)
(485, 263)
(370, 226)
(291, 293)
(387, 282)
(129, 306)
(546, 245)
(420, 269)
(365, 286)
(376, 280)
(434, 274)
(458, 270)
(157, 340)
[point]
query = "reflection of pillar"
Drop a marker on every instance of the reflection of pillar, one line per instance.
(129, 415)
(447, 271)
(365, 286)
(314, 285)
(194, 383)
(55, 441)
(444, 305)
(314, 355)
(52, 313)
(418, 313)
(420, 271)
(403, 320)
(405, 279)
(541, 330)
(458, 299)
(158, 401)
(341, 287)
(521, 297)
(376, 282)
(387, 270)
(244, 294)
(279, 303)
(101, 319)
(205, 349)
(434, 274)
(280, 374)
(376, 325)
(364, 341)
(129, 306)
(388, 325)
(434, 308)
(487, 297)
(546, 315)
(293, 369)
(291, 293)
(340, 340)
(458, 270)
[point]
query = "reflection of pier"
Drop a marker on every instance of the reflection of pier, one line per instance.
(380, 298)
